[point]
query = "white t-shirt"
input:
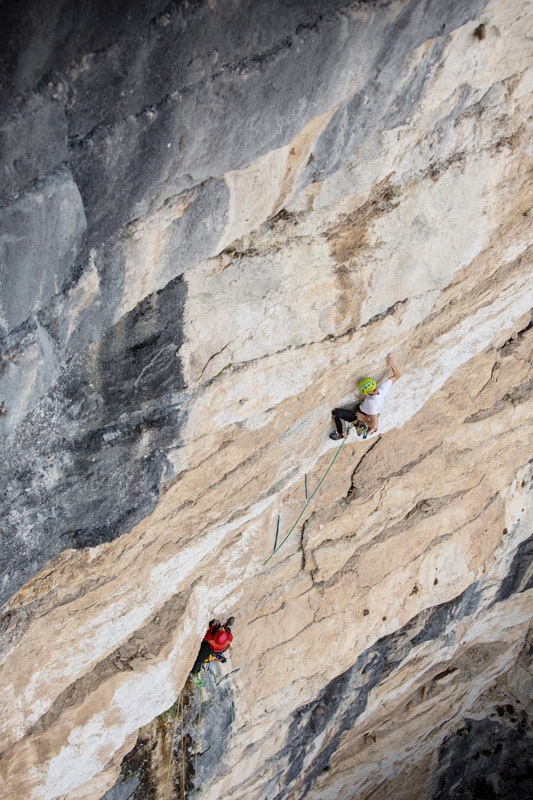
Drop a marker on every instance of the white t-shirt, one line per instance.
(373, 403)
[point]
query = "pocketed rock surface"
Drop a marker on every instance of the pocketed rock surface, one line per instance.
(215, 219)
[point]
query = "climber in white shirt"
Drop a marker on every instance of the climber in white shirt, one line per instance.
(368, 410)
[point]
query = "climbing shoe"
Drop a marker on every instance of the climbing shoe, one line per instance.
(336, 436)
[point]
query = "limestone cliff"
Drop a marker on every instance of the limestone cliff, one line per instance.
(215, 217)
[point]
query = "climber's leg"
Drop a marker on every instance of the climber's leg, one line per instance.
(340, 414)
(203, 653)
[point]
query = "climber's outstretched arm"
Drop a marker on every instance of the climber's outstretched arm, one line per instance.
(394, 368)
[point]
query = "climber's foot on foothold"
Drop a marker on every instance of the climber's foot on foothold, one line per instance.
(336, 436)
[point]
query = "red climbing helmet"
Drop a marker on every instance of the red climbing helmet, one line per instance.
(221, 637)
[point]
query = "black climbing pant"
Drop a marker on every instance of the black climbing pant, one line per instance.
(343, 414)
(204, 653)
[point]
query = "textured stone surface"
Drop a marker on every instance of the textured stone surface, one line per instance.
(33, 142)
(89, 460)
(40, 235)
(225, 215)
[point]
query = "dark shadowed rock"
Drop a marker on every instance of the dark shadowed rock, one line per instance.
(88, 463)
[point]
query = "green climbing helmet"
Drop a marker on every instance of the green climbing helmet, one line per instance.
(367, 385)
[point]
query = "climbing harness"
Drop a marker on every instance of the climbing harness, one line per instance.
(302, 512)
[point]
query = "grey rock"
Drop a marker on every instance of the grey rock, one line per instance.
(39, 237)
(183, 47)
(85, 308)
(193, 133)
(519, 578)
(33, 142)
(123, 789)
(388, 93)
(37, 37)
(28, 368)
(87, 464)
(487, 759)
(190, 238)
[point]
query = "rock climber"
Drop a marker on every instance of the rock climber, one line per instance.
(368, 411)
(215, 642)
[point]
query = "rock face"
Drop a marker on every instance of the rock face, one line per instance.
(215, 218)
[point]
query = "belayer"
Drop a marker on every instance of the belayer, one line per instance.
(368, 411)
(215, 643)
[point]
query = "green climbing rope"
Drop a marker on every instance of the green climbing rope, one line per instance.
(183, 753)
(302, 512)
(173, 720)
(201, 686)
